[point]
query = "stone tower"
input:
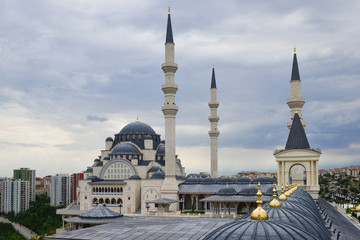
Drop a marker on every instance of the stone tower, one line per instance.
(170, 187)
(295, 102)
(214, 132)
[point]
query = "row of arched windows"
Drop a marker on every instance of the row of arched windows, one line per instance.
(102, 190)
(108, 201)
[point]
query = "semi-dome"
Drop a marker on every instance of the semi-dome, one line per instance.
(155, 169)
(249, 191)
(225, 191)
(158, 175)
(109, 139)
(135, 177)
(255, 229)
(137, 127)
(125, 148)
(161, 150)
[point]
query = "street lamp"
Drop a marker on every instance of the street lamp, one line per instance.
(181, 204)
(120, 206)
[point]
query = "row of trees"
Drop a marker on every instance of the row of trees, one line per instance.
(40, 217)
(8, 232)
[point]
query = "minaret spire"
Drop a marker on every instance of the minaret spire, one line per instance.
(170, 187)
(169, 34)
(295, 102)
(214, 132)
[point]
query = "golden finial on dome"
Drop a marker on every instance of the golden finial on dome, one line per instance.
(169, 10)
(287, 193)
(213, 66)
(282, 196)
(137, 118)
(259, 213)
(294, 49)
(274, 203)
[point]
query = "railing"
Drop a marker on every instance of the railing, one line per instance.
(107, 193)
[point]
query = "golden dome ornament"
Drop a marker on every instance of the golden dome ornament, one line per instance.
(274, 203)
(259, 213)
(282, 196)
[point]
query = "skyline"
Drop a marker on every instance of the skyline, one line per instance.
(71, 71)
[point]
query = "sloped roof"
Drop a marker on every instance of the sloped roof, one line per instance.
(297, 138)
(99, 211)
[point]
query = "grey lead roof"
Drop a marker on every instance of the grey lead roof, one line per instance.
(214, 188)
(235, 198)
(297, 138)
(99, 212)
(295, 75)
(213, 81)
(163, 201)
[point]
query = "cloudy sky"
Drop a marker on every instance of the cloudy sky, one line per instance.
(75, 72)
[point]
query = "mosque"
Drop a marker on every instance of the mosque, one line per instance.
(140, 172)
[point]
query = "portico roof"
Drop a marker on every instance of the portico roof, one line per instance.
(235, 198)
(163, 201)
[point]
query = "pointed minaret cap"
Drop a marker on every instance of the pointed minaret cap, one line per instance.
(297, 138)
(295, 75)
(259, 213)
(213, 81)
(169, 35)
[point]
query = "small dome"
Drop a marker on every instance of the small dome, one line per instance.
(226, 191)
(296, 218)
(161, 150)
(243, 180)
(209, 180)
(254, 229)
(97, 160)
(249, 191)
(158, 175)
(263, 180)
(180, 177)
(125, 148)
(193, 175)
(137, 128)
(89, 170)
(109, 139)
(155, 169)
(148, 137)
(225, 180)
(106, 158)
(99, 164)
(134, 177)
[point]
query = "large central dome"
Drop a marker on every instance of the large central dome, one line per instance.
(137, 128)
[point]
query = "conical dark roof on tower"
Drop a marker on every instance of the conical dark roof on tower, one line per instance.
(297, 138)
(295, 75)
(213, 81)
(169, 35)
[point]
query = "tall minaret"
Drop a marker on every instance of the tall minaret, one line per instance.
(295, 102)
(214, 132)
(170, 187)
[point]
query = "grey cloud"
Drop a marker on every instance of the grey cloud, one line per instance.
(96, 118)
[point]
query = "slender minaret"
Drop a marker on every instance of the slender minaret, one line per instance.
(214, 132)
(295, 102)
(170, 187)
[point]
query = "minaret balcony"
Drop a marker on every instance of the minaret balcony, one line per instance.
(169, 88)
(170, 110)
(169, 67)
(214, 133)
(214, 104)
(214, 118)
(297, 101)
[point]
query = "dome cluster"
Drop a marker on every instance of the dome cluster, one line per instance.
(297, 217)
